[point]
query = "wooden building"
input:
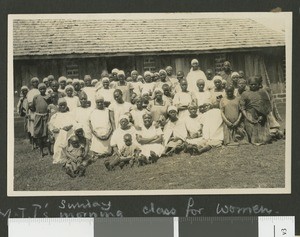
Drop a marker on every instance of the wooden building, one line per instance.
(74, 48)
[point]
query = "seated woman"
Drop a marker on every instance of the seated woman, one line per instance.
(158, 107)
(194, 127)
(151, 139)
(116, 141)
(61, 126)
(212, 125)
(175, 132)
(137, 113)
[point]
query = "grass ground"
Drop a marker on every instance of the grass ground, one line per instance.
(246, 166)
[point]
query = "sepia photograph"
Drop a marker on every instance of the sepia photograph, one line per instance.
(149, 104)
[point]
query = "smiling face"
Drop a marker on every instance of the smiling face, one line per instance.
(147, 119)
(118, 96)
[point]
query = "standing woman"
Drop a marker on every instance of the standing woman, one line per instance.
(105, 91)
(158, 107)
(255, 109)
(151, 139)
(101, 127)
(82, 115)
(124, 86)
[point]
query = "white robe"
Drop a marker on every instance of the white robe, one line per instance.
(192, 78)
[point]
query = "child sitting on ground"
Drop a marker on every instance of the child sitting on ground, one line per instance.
(128, 154)
(75, 164)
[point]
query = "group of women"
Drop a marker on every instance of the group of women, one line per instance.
(157, 114)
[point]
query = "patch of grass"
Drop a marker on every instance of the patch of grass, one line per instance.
(246, 166)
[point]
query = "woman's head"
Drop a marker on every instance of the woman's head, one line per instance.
(193, 108)
(83, 100)
(46, 81)
(87, 80)
(147, 76)
(34, 82)
(69, 81)
(82, 84)
(217, 82)
(134, 74)
(24, 90)
(229, 91)
(54, 86)
(158, 93)
(121, 75)
(127, 139)
(94, 82)
(105, 82)
(42, 88)
(62, 82)
(172, 112)
(139, 102)
(183, 85)
(69, 90)
(76, 85)
(254, 83)
(166, 89)
(62, 105)
(162, 74)
(124, 122)
(118, 96)
(147, 119)
(100, 102)
(180, 75)
(169, 70)
(201, 85)
(195, 64)
(74, 141)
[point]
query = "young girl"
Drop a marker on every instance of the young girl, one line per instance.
(218, 92)
(231, 115)
(182, 100)
(202, 96)
(255, 110)
(75, 164)
(101, 127)
(72, 101)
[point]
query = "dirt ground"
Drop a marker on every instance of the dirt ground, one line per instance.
(246, 166)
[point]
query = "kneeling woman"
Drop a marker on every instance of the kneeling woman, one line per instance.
(151, 139)
(175, 132)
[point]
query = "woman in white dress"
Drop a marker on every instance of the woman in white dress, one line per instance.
(101, 127)
(82, 115)
(61, 125)
(151, 139)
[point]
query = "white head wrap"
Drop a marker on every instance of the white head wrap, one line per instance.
(172, 107)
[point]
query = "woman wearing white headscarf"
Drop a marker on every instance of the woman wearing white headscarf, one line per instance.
(61, 126)
(101, 127)
(194, 75)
